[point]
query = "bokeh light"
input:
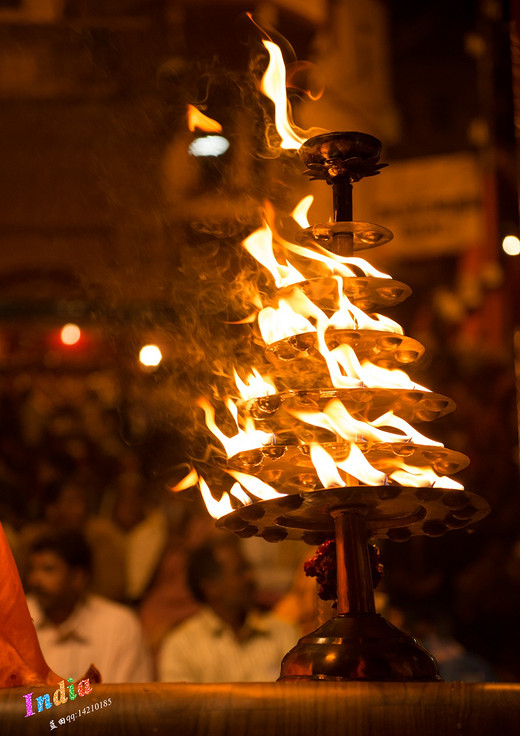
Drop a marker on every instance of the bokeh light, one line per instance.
(70, 334)
(150, 355)
(209, 145)
(511, 245)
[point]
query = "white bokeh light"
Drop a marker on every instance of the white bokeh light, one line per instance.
(150, 355)
(209, 145)
(70, 334)
(511, 245)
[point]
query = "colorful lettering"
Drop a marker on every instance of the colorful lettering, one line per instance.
(84, 688)
(41, 699)
(59, 697)
(59, 694)
(28, 705)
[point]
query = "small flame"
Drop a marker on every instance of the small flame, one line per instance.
(407, 475)
(255, 486)
(295, 310)
(215, 508)
(255, 386)
(325, 467)
(198, 121)
(346, 371)
(365, 266)
(189, 480)
(350, 317)
(277, 324)
(355, 466)
(337, 264)
(238, 492)
(299, 214)
(292, 317)
(273, 85)
(336, 418)
(327, 259)
(260, 245)
(376, 376)
(248, 439)
(358, 466)
(411, 435)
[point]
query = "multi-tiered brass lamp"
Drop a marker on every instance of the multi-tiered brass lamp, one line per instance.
(358, 643)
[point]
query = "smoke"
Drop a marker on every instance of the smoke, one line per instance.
(189, 219)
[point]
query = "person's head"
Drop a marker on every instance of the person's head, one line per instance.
(59, 572)
(219, 575)
(66, 504)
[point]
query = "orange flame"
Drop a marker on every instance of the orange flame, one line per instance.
(346, 371)
(325, 467)
(273, 85)
(407, 475)
(357, 465)
(198, 121)
(351, 317)
(255, 385)
(189, 480)
(336, 418)
(299, 214)
(215, 508)
(255, 486)
(238, 492)
(277, 324)
(248, 439)
(260, 245)
(295, 312)
(292, 313)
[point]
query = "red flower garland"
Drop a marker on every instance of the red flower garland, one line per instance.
(323, 567)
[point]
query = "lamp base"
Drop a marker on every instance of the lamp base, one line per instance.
(359, 647)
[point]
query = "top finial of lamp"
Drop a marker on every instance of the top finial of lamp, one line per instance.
(346, 154)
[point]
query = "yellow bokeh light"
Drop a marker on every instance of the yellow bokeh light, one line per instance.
(70, 334)
(150, 355)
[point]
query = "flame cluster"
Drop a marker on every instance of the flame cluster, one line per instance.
(307, 305)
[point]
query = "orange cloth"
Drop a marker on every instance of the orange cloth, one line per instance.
(21, 659)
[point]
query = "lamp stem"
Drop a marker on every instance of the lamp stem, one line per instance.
(342, 199)
(354, 575)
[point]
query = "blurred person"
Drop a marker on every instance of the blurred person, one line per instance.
(300, 606)
(75, 628)
(167, 599)
(131, 506)
(227, 640)
(275, 567)
(66, 508)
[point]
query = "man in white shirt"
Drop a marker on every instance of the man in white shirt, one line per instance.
(76, 629)
(226, 641)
